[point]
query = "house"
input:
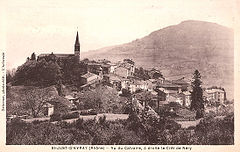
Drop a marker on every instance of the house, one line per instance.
(48, 109)
(122, 71)
(215, 95)
(113, 80)
(155, 74)
(90, 78)
(113, 66)
(148, 98)
(125, 69)
(182, 82)
(186, 98)
(149, 85)
(175, 98)
(161, 94)
(170, 96)
(125, 83)
(168, 85)
(72, 99)
(94, 67)
(137, 85)
(106, 68)
(168, 92)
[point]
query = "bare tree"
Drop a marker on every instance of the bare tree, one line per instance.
(35, 100)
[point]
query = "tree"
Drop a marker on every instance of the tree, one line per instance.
(9, 76)
(35, 100)
(197, 102)
(38, 73)
(130, 61)
(157, 75)
(141, 73)
(33, 56)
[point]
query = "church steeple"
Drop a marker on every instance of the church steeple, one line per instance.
(77, 46)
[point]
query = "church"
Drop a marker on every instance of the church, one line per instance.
(75, 55)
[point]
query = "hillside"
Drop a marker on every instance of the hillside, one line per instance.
(17, 95)
(180, 49)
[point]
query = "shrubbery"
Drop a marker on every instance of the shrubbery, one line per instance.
(136, 130)
(49, 71)
(70, 115)
(59, 117)
(55, 117)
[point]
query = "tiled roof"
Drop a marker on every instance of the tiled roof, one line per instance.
(137, 82)
(114, 77)
(70, 97)
(187, 93)
(105, 65)
(145, 94)
(57, 55)
(63, 55)
(168, 85)
(214, 91)
(88, 75)
(180, 81)
(167, 91)
(93, 64)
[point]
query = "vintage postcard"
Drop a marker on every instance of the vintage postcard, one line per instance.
(109, 75)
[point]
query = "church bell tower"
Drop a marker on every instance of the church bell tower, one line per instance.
(77, 47)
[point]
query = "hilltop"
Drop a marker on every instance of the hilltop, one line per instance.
(180, 49)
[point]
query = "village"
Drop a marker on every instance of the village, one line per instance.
(154, 75)
(97, 97)
(156, 94)
(147, 89)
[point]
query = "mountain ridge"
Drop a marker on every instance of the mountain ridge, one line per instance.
(178, 50)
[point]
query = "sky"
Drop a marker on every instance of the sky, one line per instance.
(46, 26)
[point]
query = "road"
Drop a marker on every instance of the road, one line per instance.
(109, 117)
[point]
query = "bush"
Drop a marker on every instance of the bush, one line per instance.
(70, 115)
(35, 122)
(214, 131)
(126, 93)
(55, 117)
(88, 112)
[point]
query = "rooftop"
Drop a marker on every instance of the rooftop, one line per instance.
(126, 65)
(168, 85)
(57, 55)
(186, 93)
(115, 77)
(181, 81)
(214, 90)
(88, 75)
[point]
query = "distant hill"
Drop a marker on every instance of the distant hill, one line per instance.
(180, 49)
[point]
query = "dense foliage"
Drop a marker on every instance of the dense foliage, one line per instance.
(102, 99)
(141, 73)
(135, 130)
(49, 71)
(197, 102)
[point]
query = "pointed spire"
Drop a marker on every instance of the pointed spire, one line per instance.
(77, 47)
(77, 39)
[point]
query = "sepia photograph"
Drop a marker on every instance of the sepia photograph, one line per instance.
(119, 72)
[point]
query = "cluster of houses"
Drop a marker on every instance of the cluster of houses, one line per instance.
(121, 76)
